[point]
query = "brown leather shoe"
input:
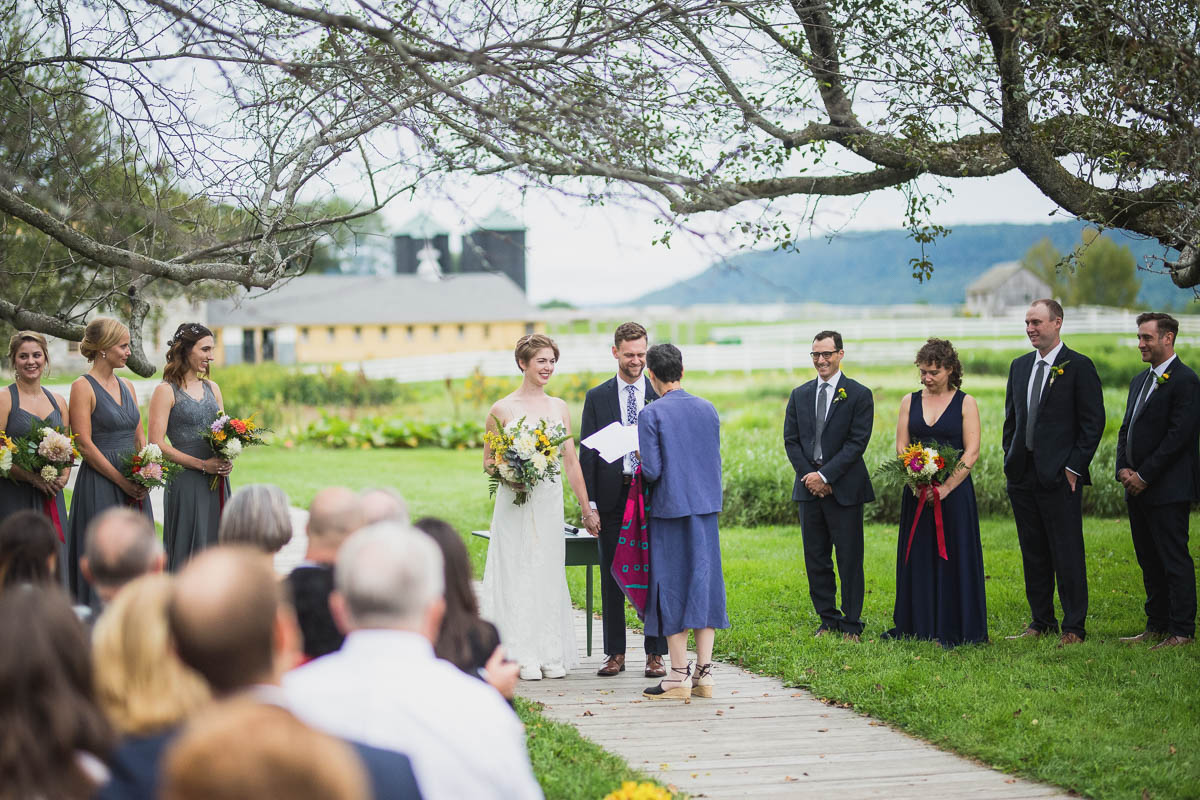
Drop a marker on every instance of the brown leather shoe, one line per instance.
(851, 637)
(822, 631)
(1028, 633)
(1144, 636)
(613, 665)
(1173, 641)
(654, 667)
(1070, 638)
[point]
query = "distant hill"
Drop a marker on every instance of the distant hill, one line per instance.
(873, 268)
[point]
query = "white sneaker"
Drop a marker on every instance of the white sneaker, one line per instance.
(555, 670)
(530, 672)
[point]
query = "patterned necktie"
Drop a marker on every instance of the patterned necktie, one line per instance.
(631, 415)
(822, 409)
(1035, 400)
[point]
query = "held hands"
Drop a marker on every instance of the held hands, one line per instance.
(591, 521)
(48, 488)
(216, 466)
(1131, 481)
(814, 483)
(501, 674)
(134, 490)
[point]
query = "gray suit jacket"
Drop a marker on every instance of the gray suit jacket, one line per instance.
(680, 440)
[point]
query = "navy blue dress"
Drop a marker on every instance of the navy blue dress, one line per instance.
(936, 599)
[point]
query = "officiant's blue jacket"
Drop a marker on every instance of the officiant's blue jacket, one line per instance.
(679, 436)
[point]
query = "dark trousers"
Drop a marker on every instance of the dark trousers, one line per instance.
(612, 599)
(1160, 540)
(1050, 532)
(827, 526)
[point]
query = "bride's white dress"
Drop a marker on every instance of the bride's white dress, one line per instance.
(524, 581)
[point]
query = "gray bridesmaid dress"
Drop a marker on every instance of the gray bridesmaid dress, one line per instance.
(114, 429)
(192, 512)
(18, 495)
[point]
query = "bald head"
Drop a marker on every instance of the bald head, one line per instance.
(223, 613)
(333, 515)
(382, 505)
(120, 545)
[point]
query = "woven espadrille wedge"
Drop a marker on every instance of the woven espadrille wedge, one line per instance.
(680, 692)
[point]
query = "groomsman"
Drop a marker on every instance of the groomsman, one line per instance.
(619, 399)
(825, 433)
(1053, 420)
(1158, 462)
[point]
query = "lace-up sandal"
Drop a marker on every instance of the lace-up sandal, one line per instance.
(680, 692)
(702, 681)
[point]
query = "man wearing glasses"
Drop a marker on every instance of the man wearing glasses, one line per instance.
(825, 433)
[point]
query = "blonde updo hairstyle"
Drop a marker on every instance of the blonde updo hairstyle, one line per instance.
(529, 345)
(21, 337)
(101, 334)
(179, 348)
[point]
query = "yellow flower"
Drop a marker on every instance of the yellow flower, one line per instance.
(219, 436)
(639, 791)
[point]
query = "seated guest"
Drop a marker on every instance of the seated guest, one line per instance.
(53, 737)
(28, 550)
(387, 688)
(120, 545)
(466, 640)
(242, 749)
(382, 505)
(257, 515)
(230, 625)
(142, 686)
(333, 515)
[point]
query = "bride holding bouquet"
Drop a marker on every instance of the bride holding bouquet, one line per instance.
(528, 446)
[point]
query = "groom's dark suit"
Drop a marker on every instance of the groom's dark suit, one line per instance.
(1049, 516)
(1161, 443)
(835, 521)
(608, 489)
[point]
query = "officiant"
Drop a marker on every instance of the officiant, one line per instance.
(619, 399)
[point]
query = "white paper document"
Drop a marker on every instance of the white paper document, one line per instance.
(614, 441)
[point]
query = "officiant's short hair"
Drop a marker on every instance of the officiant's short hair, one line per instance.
(665, 361)
(1053, 306)
(837, 338)
(629, 332)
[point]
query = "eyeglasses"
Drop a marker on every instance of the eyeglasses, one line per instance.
(826, 356)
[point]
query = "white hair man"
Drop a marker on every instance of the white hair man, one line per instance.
(386, 688)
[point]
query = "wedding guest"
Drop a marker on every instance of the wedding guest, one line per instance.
(143, 688)
(382, 505)
(386, 687)
(465, 639)
(53, 737)
(826, 432)
(679, 444)
(257, 515)
(241, 749)
(1053, 420)
(333, 515)
(121, 545)
(940, 598)
(181, 409)
(26, 402)
(1158, 463)
(619, 399)
(108, 425)
(28, 550)
(231, 624)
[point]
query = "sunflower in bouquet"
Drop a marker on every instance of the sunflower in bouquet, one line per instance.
(524, 454)
(228, 436)
(921, 465)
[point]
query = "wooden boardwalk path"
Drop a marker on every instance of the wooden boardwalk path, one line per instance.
(758, 738)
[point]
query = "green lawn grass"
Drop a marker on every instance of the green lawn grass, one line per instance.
(1100, 718)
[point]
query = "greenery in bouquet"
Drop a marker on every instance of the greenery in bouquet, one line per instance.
(150, 468)
(46, 451)
(228, 436)
(524, 455)
(921, 465)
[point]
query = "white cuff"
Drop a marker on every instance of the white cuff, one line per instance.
(592, 503)
(1073, 472)
(822, 477)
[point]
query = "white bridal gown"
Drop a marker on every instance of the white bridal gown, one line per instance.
(524, 581)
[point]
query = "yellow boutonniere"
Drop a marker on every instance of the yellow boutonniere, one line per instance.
(840, 394)
(1056, 371)
(1161, 379)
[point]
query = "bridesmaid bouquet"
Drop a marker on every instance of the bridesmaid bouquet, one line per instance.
(524, 454)
(7, 448)
(922, 469)
(148, 467)
(229, 435)
(45, 451)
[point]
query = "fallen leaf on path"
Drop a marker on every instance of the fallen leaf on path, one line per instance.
(587, 714)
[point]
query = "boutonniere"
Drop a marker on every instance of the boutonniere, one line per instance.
(1056, 371)
(1161, 379)
(839, 395)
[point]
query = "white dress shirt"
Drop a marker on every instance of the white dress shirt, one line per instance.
(385, 688)
(833, 383)
(1049, 361)
(1158, 373)
(639, 398)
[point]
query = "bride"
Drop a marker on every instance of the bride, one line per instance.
(524, 582)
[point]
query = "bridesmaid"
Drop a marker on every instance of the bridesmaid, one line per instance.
(182, 406)
(25, 401)
(108, 427)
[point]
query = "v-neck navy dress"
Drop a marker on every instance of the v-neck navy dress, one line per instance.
(936, 599)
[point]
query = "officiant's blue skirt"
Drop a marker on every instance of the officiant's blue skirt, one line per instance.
(687, 589)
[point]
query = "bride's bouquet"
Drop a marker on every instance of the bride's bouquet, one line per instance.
(922, 469)
(228, 436)
(524, 454)
(150, 468)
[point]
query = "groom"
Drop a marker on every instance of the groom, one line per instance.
(619, 399)
(825, 433)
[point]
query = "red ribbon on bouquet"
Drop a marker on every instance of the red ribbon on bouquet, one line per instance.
(134, 503)
(50, 506)
(221, 493)
(929, 490)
